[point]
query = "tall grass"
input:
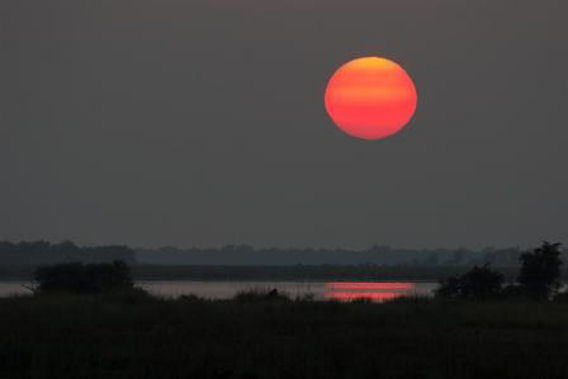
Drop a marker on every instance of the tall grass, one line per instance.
(133, 335)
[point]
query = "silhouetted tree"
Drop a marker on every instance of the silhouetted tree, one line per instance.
(449, 288)
(540, 271)
(80, 278)
(477, 284)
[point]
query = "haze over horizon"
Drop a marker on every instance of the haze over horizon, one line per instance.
(201, 123)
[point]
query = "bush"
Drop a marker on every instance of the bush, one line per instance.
(540, 271)
(80, 278)
(477, 284)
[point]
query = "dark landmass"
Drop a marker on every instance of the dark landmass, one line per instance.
(245, 255)
(241, 262)
(137, 336)
(276, 273)
(42, 252)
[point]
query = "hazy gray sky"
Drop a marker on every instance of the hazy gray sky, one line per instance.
(184, 122)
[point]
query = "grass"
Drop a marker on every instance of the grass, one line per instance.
(134, 335)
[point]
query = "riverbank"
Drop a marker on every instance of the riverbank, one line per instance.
(136, 336)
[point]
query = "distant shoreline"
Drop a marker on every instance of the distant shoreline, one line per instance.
(276, 273)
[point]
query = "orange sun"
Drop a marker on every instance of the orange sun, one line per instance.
(370, 98)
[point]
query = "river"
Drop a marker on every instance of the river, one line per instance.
(342, 291)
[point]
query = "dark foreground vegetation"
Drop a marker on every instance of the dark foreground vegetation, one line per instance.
(132, 335)
(105, 327)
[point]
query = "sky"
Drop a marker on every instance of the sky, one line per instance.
(202, 123)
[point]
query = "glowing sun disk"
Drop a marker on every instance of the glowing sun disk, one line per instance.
(370, 98)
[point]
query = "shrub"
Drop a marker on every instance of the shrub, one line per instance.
(81, 278)
(540, 271)
(477, 284)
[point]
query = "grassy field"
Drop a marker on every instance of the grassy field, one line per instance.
(276, 273)
(136, 336)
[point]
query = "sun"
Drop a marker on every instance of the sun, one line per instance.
(370, 98)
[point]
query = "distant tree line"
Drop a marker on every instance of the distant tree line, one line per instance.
(374, 256)
(42, 252)
(538, 279)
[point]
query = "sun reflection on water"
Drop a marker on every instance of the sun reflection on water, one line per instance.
(374, 291)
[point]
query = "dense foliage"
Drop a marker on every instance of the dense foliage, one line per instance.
(540, 271)
(81, 278)
(539, 278)
(480, 283)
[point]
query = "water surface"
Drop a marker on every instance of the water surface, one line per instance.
(342, 291)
